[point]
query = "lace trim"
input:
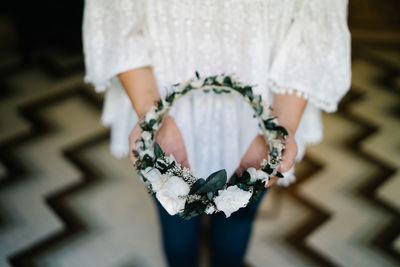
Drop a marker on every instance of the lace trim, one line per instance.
(318, 102)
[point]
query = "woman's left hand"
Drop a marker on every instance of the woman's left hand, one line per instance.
(258, 150)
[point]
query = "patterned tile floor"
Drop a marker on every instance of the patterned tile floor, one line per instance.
(65, 201)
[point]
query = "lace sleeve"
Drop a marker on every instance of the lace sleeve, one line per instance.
(114, 39)
(313, 58)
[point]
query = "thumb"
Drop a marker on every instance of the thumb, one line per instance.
(289, 156)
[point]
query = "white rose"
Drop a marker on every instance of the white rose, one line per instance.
(169, 192)
(231, 199)
(256, 175)
(155, 178)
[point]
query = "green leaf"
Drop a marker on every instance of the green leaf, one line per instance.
(281, 130)
(227, 80)
(245, 178)
(214, 182)
(243, 186)
(199, 183)
(216, 91)
(248, 92)
(269, 124)
(170, 97)
(157, 150)
(233, 178)
(147, 161)
(197, 75)
(210, 195)
(268, 169)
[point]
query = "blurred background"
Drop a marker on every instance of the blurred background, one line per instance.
(66, 201)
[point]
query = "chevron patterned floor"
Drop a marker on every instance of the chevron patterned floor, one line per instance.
(65, 201)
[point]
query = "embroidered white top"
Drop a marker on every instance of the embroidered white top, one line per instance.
(282, 46)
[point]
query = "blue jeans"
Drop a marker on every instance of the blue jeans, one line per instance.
(229, 236)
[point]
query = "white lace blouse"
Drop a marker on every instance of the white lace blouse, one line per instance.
(282, 46)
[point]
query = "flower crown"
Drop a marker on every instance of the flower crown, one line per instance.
(177, 189)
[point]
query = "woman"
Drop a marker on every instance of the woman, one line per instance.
(297, 52)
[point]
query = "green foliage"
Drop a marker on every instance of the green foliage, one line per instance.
(214, 182)
(267, 169)
(244, 178)
(193, 209)
(243, 186)
(227, 81)
(196, 186)
(269, 124)
(282, 131)
(170, 97)
(157, 150)
(233, 178)
(148, 126)
(247, 91)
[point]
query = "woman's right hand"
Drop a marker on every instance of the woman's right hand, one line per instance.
(168, 137)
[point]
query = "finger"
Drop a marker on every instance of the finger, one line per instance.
(132, 157)
(239, 170)
(289, 156)
(271, 181)
(133, 137)
(185, 163)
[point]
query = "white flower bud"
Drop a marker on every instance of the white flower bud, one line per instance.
(210, 209)
(151, 114)
(220, 79)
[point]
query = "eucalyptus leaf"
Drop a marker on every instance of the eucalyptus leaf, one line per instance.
(248, 92)
(214, 182)
(245, 178)
(233, 178)
(243, 186)
(228, 81)
(199, 183)
(268, 169)
(157, 150)
(281, 130)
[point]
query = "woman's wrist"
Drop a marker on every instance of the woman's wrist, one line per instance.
(288, 108)
(141, 88)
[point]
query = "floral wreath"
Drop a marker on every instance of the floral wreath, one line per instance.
(175, 187)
